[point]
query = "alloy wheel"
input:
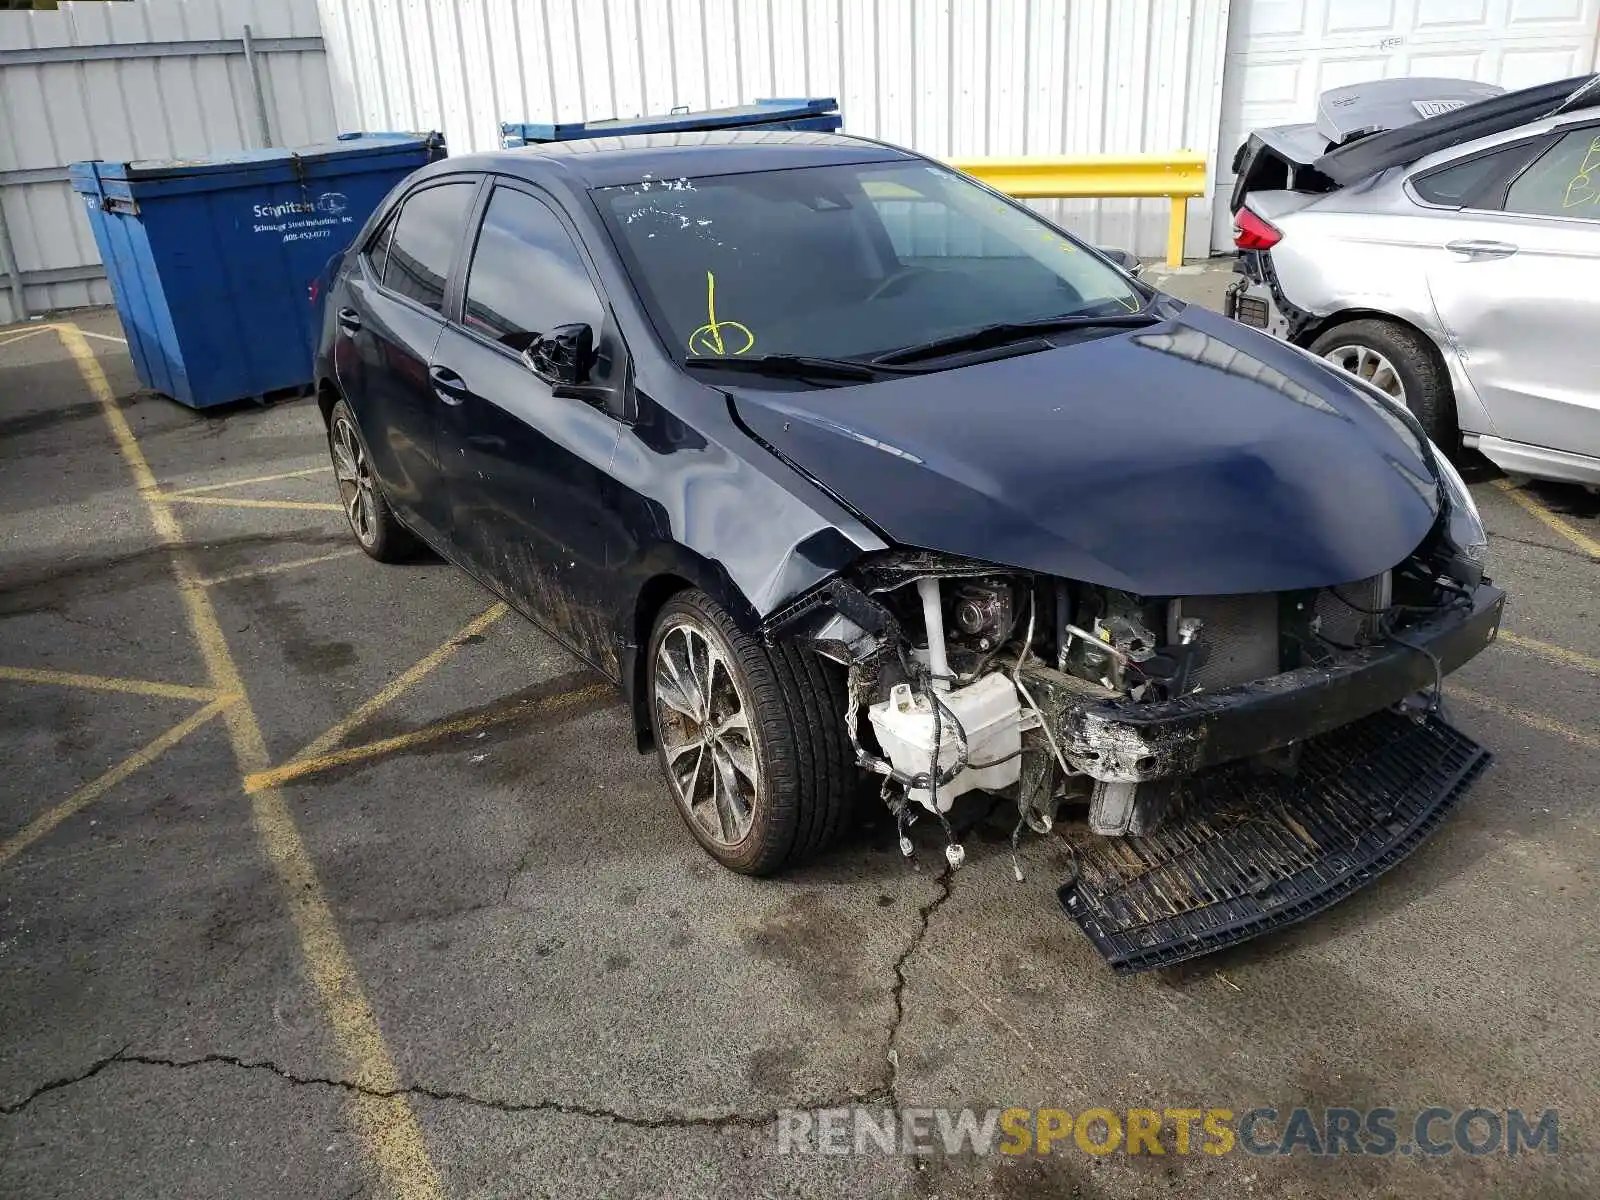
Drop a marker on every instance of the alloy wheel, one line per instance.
(1366, 363)
(703, 722)
(354, 474)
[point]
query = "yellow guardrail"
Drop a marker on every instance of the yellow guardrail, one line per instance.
(1177, 177)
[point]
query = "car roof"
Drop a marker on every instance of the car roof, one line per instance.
(629, 158)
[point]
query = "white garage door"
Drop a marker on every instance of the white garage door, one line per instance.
(1282, 54)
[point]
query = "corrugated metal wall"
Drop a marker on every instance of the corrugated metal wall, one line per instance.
(150, 79)
(947, 77)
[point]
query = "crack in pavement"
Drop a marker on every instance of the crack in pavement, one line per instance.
(742, 1120)
(1569, 551)
(520, 866)
(945, 879)
(886, 1092)
(424, 915)
(93, 1069)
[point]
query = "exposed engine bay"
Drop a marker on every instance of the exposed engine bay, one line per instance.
(1150, 719)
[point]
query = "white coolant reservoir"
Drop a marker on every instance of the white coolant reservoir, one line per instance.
(989, 713)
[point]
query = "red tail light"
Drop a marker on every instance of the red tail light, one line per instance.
(1251, 232)
(313, 290)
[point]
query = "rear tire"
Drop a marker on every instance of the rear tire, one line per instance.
(758, 762)
(366, 512)
(1420, 380)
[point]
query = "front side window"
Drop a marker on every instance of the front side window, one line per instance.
(424, 240)
(1564, 182)
(845, 261)
(527, 276)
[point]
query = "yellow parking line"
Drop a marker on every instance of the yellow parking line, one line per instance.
(1528, 504)
(387, 1127)
(293, 564)
(101, 683)
(401, 684)
(233, 483)
(301, 767)
(90, 792)
(1537, 720)
(1556, 654)
(231, 502)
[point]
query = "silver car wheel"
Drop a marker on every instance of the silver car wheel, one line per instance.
(1366, 363)
(703, 721)
(355, 481)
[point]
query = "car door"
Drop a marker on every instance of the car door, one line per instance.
(1514, 285)
(393, 313)
(525, 469)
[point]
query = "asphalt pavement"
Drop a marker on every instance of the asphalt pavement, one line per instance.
(321, 878)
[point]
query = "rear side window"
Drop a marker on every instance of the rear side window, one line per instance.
(1565, 182)
(1464, 184)
(527, 276)
(424, 240)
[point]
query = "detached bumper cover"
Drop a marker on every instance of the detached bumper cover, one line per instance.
(1126, 742)
(1243, 853)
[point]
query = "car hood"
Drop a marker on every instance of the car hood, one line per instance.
(1193, 457)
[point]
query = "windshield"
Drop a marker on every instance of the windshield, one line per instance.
(845, 261)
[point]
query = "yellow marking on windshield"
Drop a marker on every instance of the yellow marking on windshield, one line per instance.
(708, 338)
(1580, 189)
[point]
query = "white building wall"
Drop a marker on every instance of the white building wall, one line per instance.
(947, 77)
(150, 79)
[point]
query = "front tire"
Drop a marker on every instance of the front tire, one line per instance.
(1402, 362)
(751, 739)
(376, 529)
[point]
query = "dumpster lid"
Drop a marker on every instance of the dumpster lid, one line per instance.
(345, 146)
(762, 112)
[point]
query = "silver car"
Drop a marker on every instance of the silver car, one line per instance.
(1441, 239)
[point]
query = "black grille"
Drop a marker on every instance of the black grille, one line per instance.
(1252, 311)
(1240, 634)
(1245, 852)
(1347, 615)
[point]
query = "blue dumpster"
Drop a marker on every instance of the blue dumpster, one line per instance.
(815, 112)
(210, 259)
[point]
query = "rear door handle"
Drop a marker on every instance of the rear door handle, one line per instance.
(1481, 250)
(349, 320)
(447, 385)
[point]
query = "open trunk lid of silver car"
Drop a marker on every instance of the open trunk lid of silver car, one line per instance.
(1397, 146)
(1288, 157)
(1365, 128)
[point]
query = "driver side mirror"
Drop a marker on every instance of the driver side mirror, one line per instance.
(1128, 262)
(563, 356)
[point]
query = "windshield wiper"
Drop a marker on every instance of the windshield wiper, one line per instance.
(999, 334)
(789, 366)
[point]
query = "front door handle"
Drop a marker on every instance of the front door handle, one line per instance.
(349, 320)
(447, 385)
(1480, 250)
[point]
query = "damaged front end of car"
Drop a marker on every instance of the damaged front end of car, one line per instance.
(1239, 762)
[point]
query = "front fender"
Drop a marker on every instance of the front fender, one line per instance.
(706, 506)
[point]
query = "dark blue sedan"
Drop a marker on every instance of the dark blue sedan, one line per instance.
(851, 471)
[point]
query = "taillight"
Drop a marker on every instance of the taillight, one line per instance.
(1251, 232)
